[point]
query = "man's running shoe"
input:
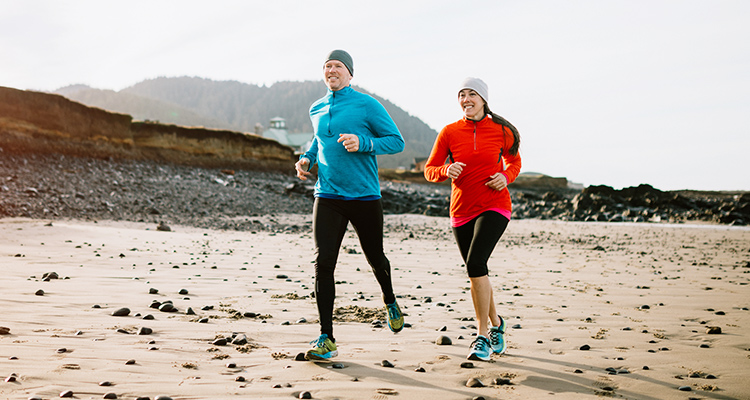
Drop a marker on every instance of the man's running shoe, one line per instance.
(395, 317)
(323, 349)
(480, 349)
(497, 338)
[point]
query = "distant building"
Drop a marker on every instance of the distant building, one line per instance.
(277, 131)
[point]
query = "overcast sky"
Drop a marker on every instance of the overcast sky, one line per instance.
(603, 92)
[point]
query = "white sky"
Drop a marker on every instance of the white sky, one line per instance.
(603, 92)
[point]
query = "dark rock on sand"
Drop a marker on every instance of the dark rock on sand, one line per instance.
(4, 330)
(713, 330)
(121, 312)
(443, 341)
(387, 364)
(110, 395)
(66, 393)
(474, 382)
(145, 331)
(39, 292)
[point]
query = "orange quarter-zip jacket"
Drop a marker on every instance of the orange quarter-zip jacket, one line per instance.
(483, 146)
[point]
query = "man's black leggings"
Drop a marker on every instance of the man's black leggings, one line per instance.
(330, 219)
(477, 239)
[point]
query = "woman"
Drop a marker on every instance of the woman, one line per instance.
(479, 153)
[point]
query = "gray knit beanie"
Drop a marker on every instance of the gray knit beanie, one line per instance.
(344, 57)
(478, 86)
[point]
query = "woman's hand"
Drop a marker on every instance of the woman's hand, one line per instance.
(497, 181)
(350, 141)
(302, 166)
(454, 170)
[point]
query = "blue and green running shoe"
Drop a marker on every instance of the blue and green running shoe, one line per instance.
(497, 338)
(323, 349)
(395, 317)
(480, 349)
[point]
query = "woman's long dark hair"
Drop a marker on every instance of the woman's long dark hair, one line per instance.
(513, 150)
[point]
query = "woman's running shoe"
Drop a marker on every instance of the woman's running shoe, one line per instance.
(497, 338)
(480, 349)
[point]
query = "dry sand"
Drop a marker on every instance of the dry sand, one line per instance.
(562, 285)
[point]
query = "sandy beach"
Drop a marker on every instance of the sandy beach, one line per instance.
(595, 309)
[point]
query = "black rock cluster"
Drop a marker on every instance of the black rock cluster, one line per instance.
(59, 187)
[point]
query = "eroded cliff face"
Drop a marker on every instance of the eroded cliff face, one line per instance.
(50, 123)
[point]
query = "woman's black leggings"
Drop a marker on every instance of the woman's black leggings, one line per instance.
(330, 219)
(477, 238)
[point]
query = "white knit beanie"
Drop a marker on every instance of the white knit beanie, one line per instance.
(478, 86)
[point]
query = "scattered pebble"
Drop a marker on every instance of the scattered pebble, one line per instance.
(305, 395)
(110, 395)
(121, 312)
(130, 362)
(4, 330)
(443, 341)
(685, 388)
(66, 393)
(300, 357)
(474, 382)
(145, 331)
(585, 347)
(39, 292)
(503, 381)
(467, 364)
(713, 330)
(419, 369)
(387, 364)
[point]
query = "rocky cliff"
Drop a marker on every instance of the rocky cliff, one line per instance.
(49, 123)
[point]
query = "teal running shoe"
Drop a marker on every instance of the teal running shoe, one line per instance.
(497, 338)
(323, 349)
(395, 317)
(480, 349)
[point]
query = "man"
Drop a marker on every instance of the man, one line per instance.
(351, 128)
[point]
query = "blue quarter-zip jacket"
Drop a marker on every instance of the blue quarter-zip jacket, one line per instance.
(344, 175)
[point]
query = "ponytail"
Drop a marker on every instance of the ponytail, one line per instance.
(504, 122)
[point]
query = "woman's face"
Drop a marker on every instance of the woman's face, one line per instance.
(471, 103)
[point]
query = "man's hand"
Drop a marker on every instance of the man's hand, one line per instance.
(302, 166)
(350, 141)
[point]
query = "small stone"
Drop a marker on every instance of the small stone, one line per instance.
(110, 395)
(190, 311)
(163, 397)
(281, 276)
(11, 378)
(121, 312)
(386, 363)
(337, 365)
(578, 371)
(145, 331)
(148, 317)
(503, 381)
(130, 362)
(153, 291)
(474, 382)
(105, 383)
(443, 341)
(443, 329)
(713, 330)
(231, 365)
(645, 307)
(239, 379)
(705, 346)
(155, 304)
(516, 326)
(39, 292)
(710, 376)
(646, 368)
(4, 330)
(203, 320)
(300, 357)
(240, 340)
(220, 342)
(419, 369)
(305, 395)
(183, 291)
(62, 350)
(167, 307)
(685, 388)
(66, 393)
(585, 347)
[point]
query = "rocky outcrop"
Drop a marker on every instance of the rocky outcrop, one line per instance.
(34, 122)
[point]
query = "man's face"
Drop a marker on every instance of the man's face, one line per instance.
(335, 75)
